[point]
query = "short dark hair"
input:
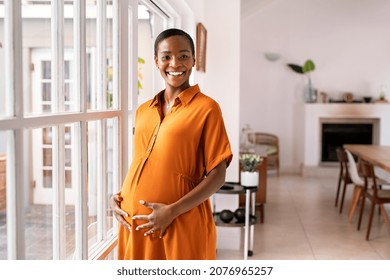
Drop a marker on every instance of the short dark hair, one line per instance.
(173, 32)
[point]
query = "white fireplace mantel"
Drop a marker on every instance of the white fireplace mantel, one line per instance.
(315, 112)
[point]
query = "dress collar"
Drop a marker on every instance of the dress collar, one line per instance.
(185, 96)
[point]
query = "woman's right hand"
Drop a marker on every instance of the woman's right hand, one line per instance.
(118, 212)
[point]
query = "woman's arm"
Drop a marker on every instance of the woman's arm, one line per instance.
(163, 215)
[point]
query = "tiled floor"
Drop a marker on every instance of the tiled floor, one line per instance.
(302, 223)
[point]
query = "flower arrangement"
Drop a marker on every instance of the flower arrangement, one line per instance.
(249, 162)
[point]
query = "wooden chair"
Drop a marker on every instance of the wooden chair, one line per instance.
(344, 177)
(266, 144)
(374, 194)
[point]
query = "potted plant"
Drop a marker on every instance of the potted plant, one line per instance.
(249, 173)
(309, 92)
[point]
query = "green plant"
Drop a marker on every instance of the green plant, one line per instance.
(309, 92)
(249, 162)
(306, 68)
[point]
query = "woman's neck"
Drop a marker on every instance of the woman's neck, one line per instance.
(172, 93)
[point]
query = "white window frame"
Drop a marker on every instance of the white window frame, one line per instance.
(125, 39)
(18, 123)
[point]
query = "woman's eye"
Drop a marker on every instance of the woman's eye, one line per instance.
(184, 56)
(165, 57)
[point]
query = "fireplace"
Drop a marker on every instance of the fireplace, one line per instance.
(315, 114)
(335, 132)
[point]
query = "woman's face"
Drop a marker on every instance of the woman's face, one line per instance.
(175, 61)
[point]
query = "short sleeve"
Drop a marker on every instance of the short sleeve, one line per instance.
(215, 139)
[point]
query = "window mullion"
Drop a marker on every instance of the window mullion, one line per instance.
(101, 179)
(80, 148)
(57, 32)
(115, 54)
(104, 180)
(57, 86)
(58, 192)
(123, 66)
(15, 195)
(101, 25)
(80, 56)
(15, 152)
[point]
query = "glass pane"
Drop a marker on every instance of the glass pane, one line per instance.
(37, 41)
(68, 158)
(100, 81)
(91, 8)
(47, 157)
(71, 104)
(47, 135)
(38, 220)
(39, 232)
(67, 70)
(46, 92)
(101, 176)
(46, 69)
(109, 72)
(47, 179)
(71, 164)
(68, 135)
(94, 180)
(3, 210)
(2, 68)
(68, 179)
(111, 164)
(145, 55)
(42, 163)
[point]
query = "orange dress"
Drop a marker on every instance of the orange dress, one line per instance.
(172, 154)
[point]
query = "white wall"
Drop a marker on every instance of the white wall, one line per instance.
(222, 79)
(349, 42)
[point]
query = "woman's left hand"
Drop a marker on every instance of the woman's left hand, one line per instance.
(160, 218)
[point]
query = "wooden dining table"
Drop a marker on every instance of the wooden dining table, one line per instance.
(378, 155)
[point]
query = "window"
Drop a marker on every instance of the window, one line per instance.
(66, 118)
(64, 125)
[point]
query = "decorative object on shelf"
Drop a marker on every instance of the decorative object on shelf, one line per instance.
(367, 99)
(324, 97)
(239, 214)
(310, 93)
(249, 173)
(348, 97)
(383, 90)
(226, 216)
(246, 146)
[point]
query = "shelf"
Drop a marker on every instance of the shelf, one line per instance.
(235, 188)
(234, 222)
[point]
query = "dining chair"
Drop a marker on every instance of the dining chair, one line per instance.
(344, 177)
(374, 194)
(357, 181)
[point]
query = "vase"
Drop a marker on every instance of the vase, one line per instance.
(310, 93)
(249, 179)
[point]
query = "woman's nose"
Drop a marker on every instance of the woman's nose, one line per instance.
(174, 62)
